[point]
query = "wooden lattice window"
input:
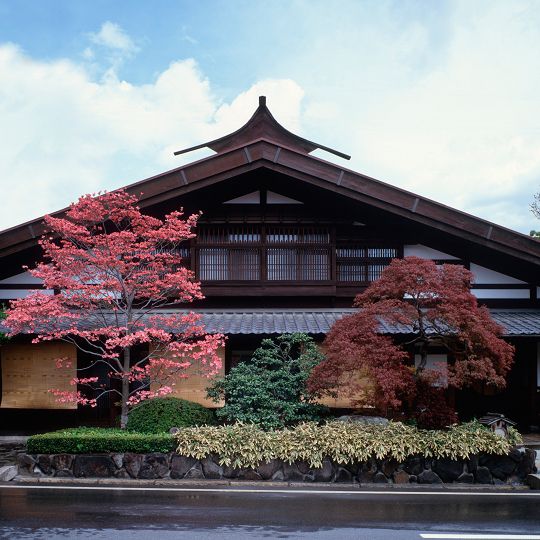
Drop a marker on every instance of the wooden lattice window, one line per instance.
(362, 264)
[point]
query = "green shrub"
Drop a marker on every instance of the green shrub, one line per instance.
(242, 445)
(270, 389)
(159, 415)
(89, 440)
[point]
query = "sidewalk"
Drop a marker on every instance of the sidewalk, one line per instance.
(233, 485)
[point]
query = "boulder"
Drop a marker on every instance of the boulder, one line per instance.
(118, 460)
(401, 477)
(230, 472)
(44, 463)
(93, 466)
(501, 467)
(483, 476)
(429, 477)
(26, 464)
(62, 461)
(180, 465)
(122, 473)
(380, 478)
(533, 481)
(292, 473)
(389, 466)
(211, 469)
(527, 465)
(268, 469)
(8, 473)
(448, 469)
(155, 465)
(132, 464)
(195, 472)
(324, 473)
(465, 478)
(414, 465)
(343, 476)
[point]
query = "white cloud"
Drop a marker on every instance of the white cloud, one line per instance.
(112, 36)
(64, 134)
(462, 129)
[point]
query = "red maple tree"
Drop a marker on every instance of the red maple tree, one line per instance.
(429, 306)
(113, 270)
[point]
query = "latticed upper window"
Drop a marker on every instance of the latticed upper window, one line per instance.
(285, 253)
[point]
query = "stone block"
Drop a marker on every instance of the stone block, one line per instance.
(93, 466)
(380, 478)
(448, 469)
(195, 472)
(132, 464)
(429, 477)
(465, 478)
(118, 460)
(533, 481)
(267, 470)
(62, 461)
(44, 463)
(527, 465)
(401, 477)
(292, 473)
(343, 476)
(211, 469)
(483, 475)
(155, 465)
(501, 467)
(8, 473)
(414, 465)
(180, 465)
(389, 466)
(324, 473)
(26, 464)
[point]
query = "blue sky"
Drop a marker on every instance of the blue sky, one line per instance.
(441, 98)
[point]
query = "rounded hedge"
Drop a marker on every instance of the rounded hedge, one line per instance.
(159, 415)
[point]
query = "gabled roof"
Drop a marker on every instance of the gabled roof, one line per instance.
(281, 151)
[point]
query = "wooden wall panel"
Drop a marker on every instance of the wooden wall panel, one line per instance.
(29, 371)
(193, 388)
(343, 401)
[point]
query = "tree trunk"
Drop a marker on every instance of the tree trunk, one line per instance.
(423, 357)
(125, 388)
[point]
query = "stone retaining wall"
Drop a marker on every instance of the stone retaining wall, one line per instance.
(9, 452)
(483, 469)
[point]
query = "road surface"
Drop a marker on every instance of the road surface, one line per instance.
(54, 512)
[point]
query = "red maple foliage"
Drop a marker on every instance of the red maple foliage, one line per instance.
(430, 306)
(113, 269)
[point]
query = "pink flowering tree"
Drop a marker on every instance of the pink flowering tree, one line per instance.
(113, 271)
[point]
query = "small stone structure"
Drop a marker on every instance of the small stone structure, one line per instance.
(10, 448)
(484, 469)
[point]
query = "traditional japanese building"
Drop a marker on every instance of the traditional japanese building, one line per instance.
(285, 243)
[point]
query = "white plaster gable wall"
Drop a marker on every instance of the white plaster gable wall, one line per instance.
(25, 278)
(425, 252)
(486, 276)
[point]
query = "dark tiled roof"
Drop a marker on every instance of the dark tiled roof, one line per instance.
(515, 323)
(319, 321)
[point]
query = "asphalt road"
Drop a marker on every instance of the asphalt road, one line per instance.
(60, 512)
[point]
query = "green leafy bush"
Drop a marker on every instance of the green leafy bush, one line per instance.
(159, 415)
(89, 440)
(270, 389)
(242, 445)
